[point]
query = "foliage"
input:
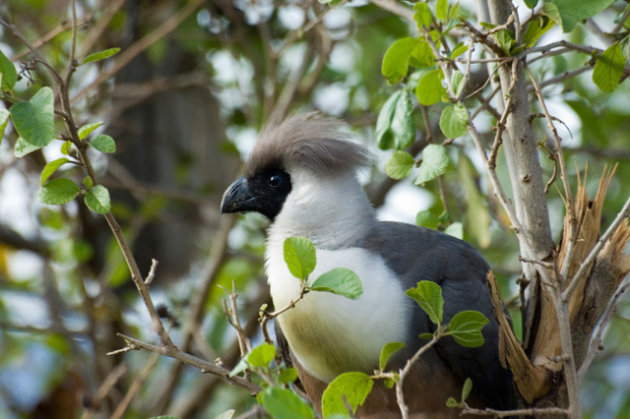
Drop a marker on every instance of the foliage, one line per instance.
(419, 83)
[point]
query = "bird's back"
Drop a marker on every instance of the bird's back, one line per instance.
(415, 254)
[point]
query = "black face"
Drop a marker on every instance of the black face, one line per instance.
(264, 193)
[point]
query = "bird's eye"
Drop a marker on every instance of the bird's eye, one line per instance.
(274, 181)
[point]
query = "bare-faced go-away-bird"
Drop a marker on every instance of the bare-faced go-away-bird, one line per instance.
(302, 175)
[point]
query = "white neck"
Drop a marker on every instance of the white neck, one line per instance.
(333, 212)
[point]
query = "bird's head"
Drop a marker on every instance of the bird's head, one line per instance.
(304, 161)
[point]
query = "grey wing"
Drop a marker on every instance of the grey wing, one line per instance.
(416, 254)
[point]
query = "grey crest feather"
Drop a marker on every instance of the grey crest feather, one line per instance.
(310, 140)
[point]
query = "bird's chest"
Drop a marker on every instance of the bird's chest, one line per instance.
(330, 334)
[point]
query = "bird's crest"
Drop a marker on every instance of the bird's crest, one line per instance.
(309, 140)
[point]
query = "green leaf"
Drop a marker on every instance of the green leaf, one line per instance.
(399, 165)
(454, 121)
(609, 68)
(428, 295)
(386, 353)
(458, 82)
(239, 368)
(101, 55)
(427, 219)
(88, 182)
(66, 147)
(341, 281)
(458, 50)
(451, 402)
(434, 163)
(465, 327)
(4, 119)
(455, 230)
(535, 29)
(103, 143)
(288, 375)
(281, 403)
(625, 45)
(531, 3)
(350, 387)
(422, 55)
(33, 120)
(429, 89)
(396, 60)
(466, 388)
(300, 256)
(422, 15)
(395, 125)
(568, 13)
(87, 129)
(261, 355)
(8, 75)
(426, 336)
(51, 167)
(505, 39)
(441, 9)
(58, 191)
(22, 148)
(97, 199)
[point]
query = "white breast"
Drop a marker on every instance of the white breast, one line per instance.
(330, 334)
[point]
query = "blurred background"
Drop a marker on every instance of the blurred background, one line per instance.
(184, 99)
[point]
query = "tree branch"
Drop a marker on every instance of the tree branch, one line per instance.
(205, 366)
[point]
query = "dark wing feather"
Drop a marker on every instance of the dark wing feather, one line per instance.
(415, 254)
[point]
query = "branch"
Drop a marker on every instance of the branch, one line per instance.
(559, 159)
(535, 412)
(15, 240)
(141, 45)
(395, 8)
(595, 343)
(265, 317)
(203, 365)
(135, 386)
(563, 76)
(400, 398)
(195, 317)
(104, 389)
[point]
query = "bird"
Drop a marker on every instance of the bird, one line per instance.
(302, 174)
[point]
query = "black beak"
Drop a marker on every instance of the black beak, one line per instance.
(238, 197)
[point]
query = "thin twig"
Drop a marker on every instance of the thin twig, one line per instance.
(194, 320)
(535, 412)
(151, 276)
(63, 26)
(265, 316)
(100, 26)
(568, 196)
(141, 45)
(232, 314)
(400, 398)
(395, 8)
(202, 364)
(563, 76)
(136, 276)
(595, 343)
(498, 137)
(498, 190)
(135, 386)
(622, 22)
(108, 384)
